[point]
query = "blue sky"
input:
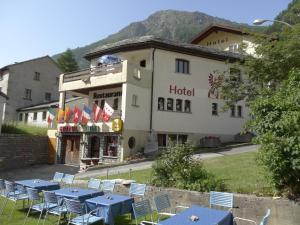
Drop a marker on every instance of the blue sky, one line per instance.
(33, 28)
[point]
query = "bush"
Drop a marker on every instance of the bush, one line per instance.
(20, 128)
(176, 168)
(276, 122)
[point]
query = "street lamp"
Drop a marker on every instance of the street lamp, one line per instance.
(261, 21)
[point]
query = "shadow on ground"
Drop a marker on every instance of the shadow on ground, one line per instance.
(45, 172)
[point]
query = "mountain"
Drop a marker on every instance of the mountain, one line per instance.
(167, 24)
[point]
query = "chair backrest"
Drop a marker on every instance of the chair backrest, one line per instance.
(58, 177)
(2, 184)
(10, 187)
(68, 179)
(137, 189)
(94, 183)
(221, 199)
(50, 197)
(265, 219)
(141, 208)
(162, 202)
(74, 206)
(108, 185)
(33, 194)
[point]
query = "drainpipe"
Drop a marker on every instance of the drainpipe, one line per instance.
(152, 82)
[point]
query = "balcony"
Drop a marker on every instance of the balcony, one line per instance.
(110, 76)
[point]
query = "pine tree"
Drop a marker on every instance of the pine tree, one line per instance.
(67, 62)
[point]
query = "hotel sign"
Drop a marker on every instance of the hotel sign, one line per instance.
(181, 91)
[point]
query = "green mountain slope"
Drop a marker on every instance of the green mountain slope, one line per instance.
(168, 24)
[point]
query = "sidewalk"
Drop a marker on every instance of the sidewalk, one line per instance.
(148, 164)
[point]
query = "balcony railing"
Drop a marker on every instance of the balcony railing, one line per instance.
(94, 71)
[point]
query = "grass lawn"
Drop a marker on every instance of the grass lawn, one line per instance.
(20, 128)
(240, 173)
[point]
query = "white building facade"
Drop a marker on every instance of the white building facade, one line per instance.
(161, 90)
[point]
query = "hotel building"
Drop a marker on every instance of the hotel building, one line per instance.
(161, 90)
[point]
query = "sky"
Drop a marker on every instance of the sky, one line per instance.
(34, 28)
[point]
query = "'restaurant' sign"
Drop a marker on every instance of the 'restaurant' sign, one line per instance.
(107, 95)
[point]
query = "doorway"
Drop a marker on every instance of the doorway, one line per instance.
(71, 146)
(95, 147)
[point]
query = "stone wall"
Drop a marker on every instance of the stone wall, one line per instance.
(283, 211)
(17, 151)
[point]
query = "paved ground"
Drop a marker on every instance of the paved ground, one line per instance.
(47, 171)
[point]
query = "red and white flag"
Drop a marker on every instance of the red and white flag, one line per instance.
(97, 111)
(107, 112)
(77, 115)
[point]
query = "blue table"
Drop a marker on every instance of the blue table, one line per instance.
(78, 193)
(112, 206)
(206, 216)
(40, 185)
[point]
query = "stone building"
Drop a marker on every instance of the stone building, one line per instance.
(3, 99)
(28, 83)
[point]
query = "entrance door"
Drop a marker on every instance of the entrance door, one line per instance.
(95, 146)
(72, 146)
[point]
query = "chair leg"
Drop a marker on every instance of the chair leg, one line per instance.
(59, 217)
(12, 211)
(25, 220)
(40, 216)
(45, 217)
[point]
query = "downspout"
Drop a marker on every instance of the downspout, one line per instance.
(152, 82)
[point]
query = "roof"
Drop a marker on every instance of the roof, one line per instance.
(217, 27)
(3, 95)
(53, 104)
(26, 61)
(145, 42)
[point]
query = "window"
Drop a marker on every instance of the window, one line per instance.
(233, 48)
(134, 100)
(116, 103)
(131, 142)
(35, 116)
(143, 63)
(162, 140)
(102, 103)
(1, 76)
(57, 80)
(48, 96)
(170, 104)
(161, 104)
(178, 105)
(214, 109)
(44, 115)
(28, 94)
(187, 106)
(239, 111)
(37, 76)
(232, 110)
(21, 117)
(182, 66)
(181, 139)
(235, 74)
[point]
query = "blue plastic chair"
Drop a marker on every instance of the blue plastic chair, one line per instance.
(94, 183)
(137, 190)
(108, 186)
(264, 220)
(58, 177)
(34, 197)
(68, 179)
(142, 209)
(84, 218)
(53, 206)
(223, 199)
(14, 194)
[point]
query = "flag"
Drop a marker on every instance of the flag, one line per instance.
(68, 113)
(86, 115)
(107, 112)
(77, 115)
(51, 115)
(97, 111)
(60, 116)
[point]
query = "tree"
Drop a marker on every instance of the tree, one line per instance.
(66, 62)
(271, 87)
